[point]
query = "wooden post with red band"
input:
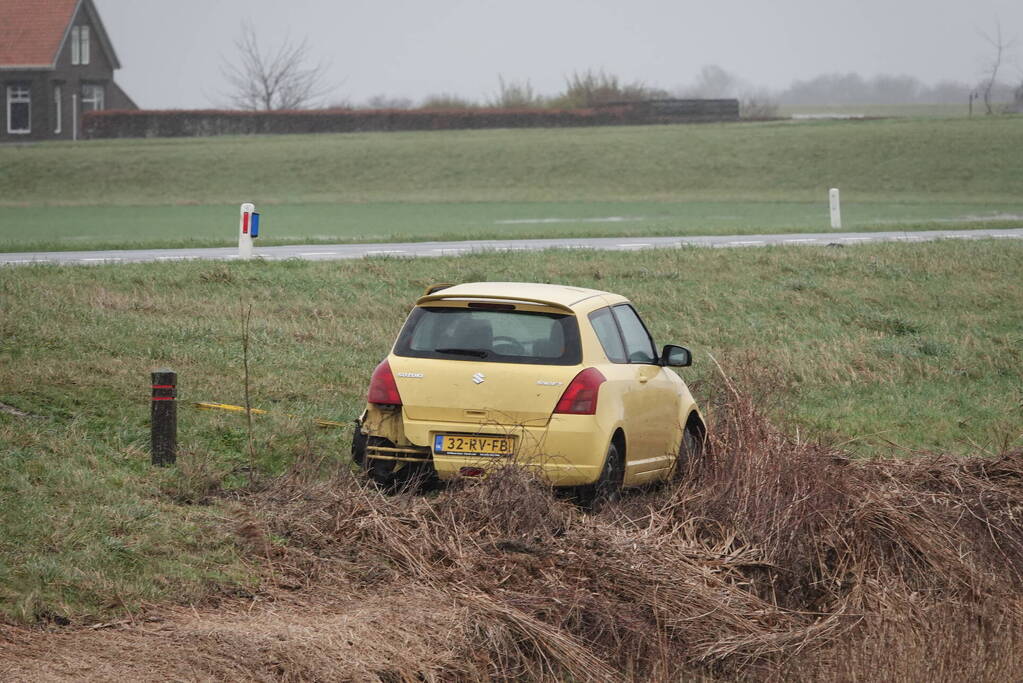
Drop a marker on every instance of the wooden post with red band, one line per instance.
(164, 417)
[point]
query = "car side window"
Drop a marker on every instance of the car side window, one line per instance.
(607, 332)
(639, 347)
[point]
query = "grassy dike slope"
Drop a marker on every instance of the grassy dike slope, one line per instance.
(918, 345)
(947, 160)
(687, 179)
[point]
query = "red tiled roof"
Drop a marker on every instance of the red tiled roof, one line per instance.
(31, 31)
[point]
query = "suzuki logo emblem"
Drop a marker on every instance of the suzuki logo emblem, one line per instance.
(479, 377)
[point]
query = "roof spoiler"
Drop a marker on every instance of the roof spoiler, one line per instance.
(431, 297)
(437, 287)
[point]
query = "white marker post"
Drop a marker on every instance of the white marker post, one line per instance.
(836, 209)
(244, 231)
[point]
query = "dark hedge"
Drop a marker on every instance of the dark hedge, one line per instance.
(184, 123)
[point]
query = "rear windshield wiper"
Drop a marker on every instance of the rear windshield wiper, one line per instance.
(479, 353)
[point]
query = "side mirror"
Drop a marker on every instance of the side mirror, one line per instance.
(676, 356)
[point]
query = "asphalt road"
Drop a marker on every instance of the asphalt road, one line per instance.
(328, 252)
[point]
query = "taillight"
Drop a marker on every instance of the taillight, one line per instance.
(580, 397)
(382, 387)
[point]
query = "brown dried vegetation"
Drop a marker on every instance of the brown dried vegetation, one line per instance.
(772, 558)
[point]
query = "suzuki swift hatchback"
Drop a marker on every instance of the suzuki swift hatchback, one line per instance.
(561, 379)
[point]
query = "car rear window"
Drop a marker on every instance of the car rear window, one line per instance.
(492, 336)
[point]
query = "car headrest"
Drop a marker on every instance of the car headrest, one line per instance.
(474, 334)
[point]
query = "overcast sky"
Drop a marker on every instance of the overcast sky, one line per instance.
(172, 52)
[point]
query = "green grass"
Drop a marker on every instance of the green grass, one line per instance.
(698, 179)
(72, 228)
(918, 345)
(959, 109)
(87, 531)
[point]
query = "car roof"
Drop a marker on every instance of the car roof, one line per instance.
(562, 296)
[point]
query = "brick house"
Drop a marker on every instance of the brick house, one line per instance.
(56, 62)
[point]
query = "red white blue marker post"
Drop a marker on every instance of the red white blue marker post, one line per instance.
(245, 224)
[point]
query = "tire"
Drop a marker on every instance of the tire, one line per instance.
(608, 487)
(389, 475)
(394, 477)
(689, 451)
(381, 472)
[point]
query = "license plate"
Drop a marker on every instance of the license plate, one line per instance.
(487, 446)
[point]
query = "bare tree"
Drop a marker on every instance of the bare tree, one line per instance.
(1017, 92)
(592, 88)
(712, 82)
(758, 104)
(447, 101)
(515, 95)
(1000, 47)
(280, 77)
(388, 102)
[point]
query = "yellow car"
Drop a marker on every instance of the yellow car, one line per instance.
(561, 379)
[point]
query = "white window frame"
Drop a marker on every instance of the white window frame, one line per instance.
(19, 94)
(58, 92)
(85, 45)
(80, 52)
(97, 100)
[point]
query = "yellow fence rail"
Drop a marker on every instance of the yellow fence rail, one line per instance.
(326, 424)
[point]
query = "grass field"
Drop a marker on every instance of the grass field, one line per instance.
(920, 346)
(700, 179)
(889, 110)
(64, 228)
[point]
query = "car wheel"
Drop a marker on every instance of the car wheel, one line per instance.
(608, 487)
(390, 475)
(395, 477)
(689, 451)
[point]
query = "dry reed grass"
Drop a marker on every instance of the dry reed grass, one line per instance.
(773, 558)
(772, 553)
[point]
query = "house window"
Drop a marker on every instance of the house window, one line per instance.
(80, 45)
(19, 109)
(58, 116)
(92, 97)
